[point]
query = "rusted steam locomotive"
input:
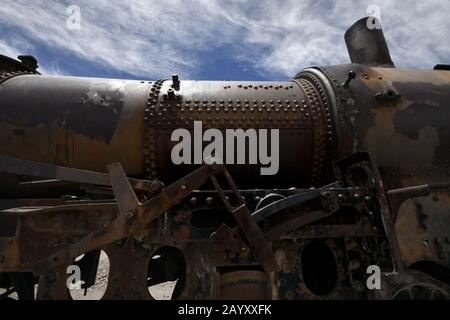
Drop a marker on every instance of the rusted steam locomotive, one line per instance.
(363, 180)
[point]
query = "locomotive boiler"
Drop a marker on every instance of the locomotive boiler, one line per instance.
(361, 183)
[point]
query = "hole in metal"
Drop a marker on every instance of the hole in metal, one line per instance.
(166, 273)
(359, 177)
(94, 267)
(319, 268)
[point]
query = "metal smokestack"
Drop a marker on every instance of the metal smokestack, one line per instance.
(367, 45)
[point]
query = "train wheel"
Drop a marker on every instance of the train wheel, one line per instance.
(419, 286)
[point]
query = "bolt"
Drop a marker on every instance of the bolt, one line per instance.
(325, 194)
(209, 201)
(244, 251)
(129, 215)
(367, 198)
(155, 186)
(194, 200)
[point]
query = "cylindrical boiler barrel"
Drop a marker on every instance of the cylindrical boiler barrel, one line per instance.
(88, 123)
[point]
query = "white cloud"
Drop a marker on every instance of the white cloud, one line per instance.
(20, 48)
(7, 50)
(155, 38)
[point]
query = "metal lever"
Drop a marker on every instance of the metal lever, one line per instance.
(45, 170)
(253, 234)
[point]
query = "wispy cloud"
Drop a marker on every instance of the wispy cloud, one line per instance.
(7, 50)
(155, 38)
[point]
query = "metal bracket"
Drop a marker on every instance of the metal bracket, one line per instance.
(329, 204)
(50, 171)
(135, 217)
(247, 224)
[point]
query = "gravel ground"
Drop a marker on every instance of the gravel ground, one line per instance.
(162, 291)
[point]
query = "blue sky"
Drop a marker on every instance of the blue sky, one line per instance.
(214, 40)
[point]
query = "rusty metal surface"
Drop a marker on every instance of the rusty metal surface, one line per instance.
(195, 247)
(109, 226)
(43, 170)
(393, 114)
(244, 285)
(249, 227)
(422, 227)
(8, 75)
(232, 104)
(368, 46)
(83, 123)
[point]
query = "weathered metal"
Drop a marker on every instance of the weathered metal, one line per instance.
(366, 44)
(41, 170)
(85, 165)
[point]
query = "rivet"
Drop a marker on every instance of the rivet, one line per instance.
(129, 215)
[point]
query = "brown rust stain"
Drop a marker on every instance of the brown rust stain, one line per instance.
(395, 150)
(423, 238)
(63, 146)
(183, 233)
